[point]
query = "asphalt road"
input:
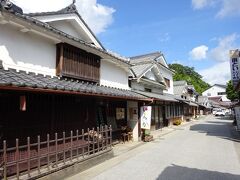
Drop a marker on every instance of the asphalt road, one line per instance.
(205, 150)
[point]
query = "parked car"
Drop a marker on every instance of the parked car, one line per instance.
(220, 113)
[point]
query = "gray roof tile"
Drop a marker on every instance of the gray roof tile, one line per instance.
(21, 79)
(145, 57)
(138, 70)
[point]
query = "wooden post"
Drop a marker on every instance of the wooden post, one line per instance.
(97, 139)
(93, 142)
(48, 152)
(17, 158)
(29, 156)
(77, 134)
(106, 134)
(101, 130)
(64, 157)
(56, 149)
(5, 160)
(71, 148)
(39, 154)
(83, 146)
(88, 142)
(110, 128)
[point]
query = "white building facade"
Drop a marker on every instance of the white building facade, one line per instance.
(217, 90)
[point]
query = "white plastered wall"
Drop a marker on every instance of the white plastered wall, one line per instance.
(213, 92)
(26, 51)
(167, 74)
(113, 76)
(67, 27)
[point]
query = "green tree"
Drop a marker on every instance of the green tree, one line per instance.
(232, 94)
(190, 75)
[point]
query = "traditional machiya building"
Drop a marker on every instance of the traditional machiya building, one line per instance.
(188, 97)
(57, 81)
(152, 77)
(205, 106)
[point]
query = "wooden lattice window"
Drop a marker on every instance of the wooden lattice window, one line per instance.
(77, 63)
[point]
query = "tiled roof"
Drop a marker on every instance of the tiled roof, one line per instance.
(145, 57)
(179, 83)
(163, 97)
(220, 85)
(138, 70)
(69, 9)
(21, 79)
(178, 90)
(48, 27)
(149, 58)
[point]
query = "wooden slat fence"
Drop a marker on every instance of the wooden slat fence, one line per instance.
(41, 157)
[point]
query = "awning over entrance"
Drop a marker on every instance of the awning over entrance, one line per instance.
(163, 97)
(12, 80)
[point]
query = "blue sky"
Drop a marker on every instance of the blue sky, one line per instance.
(176, 28)
(196, 33)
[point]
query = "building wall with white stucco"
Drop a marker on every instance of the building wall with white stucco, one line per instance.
(214, 91)
(113, 76)
(66, 27)
(169, 75)
(26, 51)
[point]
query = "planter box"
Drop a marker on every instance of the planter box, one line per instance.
(148, 138)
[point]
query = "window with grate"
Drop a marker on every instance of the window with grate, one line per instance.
(76, 63)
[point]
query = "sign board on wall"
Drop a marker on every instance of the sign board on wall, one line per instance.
(234, 65)
(146, 112)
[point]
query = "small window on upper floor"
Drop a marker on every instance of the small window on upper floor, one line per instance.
(167, 81)
(208, 94)
(148, 90)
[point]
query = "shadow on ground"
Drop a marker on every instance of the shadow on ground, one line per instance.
(176, 172)
(222, 129)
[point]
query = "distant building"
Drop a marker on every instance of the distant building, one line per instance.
(217, 93)
(185, 91)
(188, 96)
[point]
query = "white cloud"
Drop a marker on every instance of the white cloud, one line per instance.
(200, 4)
(229, 8)
(221, 52)
(218, 74)
(96, 15)
(199, 53)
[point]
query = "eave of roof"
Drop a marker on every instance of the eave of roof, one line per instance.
(162, 97)
(21, 81)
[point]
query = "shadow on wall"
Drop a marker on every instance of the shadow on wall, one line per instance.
(176, 172)
(220, 129)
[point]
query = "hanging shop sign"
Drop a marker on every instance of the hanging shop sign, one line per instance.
(146, 117)
(234, 65)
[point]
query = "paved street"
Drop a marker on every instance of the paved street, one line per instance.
(207, 149)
